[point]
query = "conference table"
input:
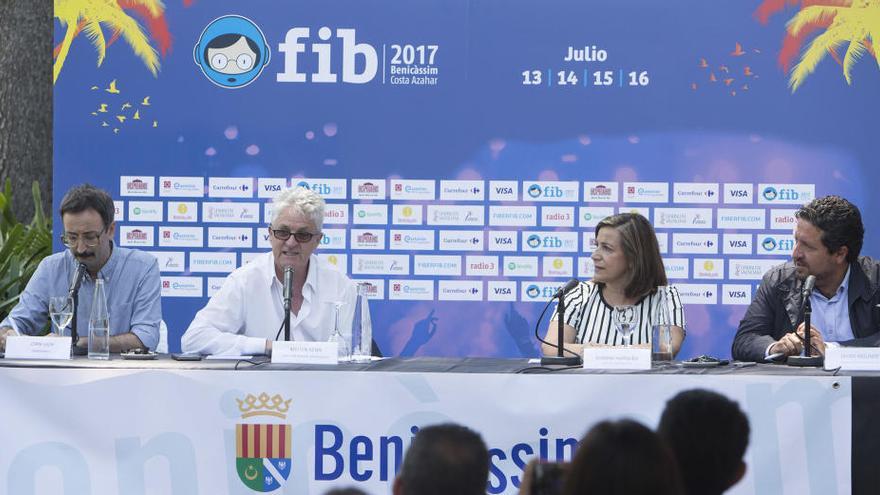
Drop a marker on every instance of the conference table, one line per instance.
(248, 426)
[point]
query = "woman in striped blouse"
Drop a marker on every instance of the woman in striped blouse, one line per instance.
(628, 271)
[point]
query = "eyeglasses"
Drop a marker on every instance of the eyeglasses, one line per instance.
(301, 237)
(90, 239)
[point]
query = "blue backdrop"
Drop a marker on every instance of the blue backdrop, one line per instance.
(693, 95)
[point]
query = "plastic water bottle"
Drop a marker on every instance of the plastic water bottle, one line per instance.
(99, 324)
(361, 328)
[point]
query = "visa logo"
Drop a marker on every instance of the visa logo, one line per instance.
(502, 291)
(503, 190)
(272, 187)
(736, 294)
(739, 193)
(503, 241)
(738, 244)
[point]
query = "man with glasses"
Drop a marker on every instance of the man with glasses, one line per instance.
(131, 278)
(246, 315)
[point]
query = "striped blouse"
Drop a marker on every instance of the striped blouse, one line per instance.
(587, 311)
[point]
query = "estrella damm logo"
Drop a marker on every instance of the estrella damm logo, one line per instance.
(263, 452)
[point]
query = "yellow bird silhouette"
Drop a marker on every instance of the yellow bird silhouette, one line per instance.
(103, 108)
(738, 51)
(703, 63)
(104, 123)
(121, 119)
(112, 89)
(748, 71)
(155, 123)
(137, 115)
(712, 77)
(126, 105)
(146, 101)
(94, 88)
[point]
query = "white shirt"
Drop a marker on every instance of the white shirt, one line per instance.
(248, 309)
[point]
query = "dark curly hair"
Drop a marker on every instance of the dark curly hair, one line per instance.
(840, 223)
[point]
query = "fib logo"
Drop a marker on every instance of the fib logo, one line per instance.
(263, 452)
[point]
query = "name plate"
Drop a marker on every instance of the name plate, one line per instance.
(305, 352)
(617, 358)
(20, 347)
(852, 358)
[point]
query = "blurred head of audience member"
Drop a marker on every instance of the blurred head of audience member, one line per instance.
(708, 434)
(444, 459)
(346, 491)
(622, 458)
(627, 255)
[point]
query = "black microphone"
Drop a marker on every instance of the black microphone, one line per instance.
(288, 295)
(77, 279)
(565, 289)
(559, 359)
(807, 289)
(73, 293)
(807, 359)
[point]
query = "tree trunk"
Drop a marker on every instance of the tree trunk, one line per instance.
(26, 101)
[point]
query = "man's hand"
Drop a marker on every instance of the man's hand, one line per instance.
(5, 332)
(788, 345)
(816, 341)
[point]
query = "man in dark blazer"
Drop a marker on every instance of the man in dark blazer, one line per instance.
(828, 238)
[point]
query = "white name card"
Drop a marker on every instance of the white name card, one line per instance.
(20, 347)
(305, 352)
(617, 358)
(852, 358)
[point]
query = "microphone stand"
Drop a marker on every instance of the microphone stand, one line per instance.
(559, 359)
(288, 283)
(807, 359)
(74, 335)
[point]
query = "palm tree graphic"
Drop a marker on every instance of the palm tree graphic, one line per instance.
(857, 25)
(89, 15)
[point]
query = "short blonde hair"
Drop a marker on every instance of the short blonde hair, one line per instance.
(303, 200)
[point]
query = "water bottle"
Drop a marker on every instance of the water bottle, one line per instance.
(661, 336)
(361, 328)
(99, 324)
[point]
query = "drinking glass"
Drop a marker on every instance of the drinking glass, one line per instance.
(626, 318)
(61, 312)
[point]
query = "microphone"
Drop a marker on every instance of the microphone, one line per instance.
(807, 359)
(77, 279)
(565, 289)
(560, 329)
(288, 295)
(809, 284)
(73, 293)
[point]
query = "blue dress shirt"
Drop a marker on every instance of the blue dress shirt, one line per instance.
(131, 285)
(831, 316)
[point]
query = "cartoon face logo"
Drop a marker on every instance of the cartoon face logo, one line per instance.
(232, 51)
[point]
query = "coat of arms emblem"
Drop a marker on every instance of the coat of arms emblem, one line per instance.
(263, 452)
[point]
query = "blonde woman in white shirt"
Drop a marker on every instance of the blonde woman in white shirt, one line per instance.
(628, 271)
(245, 315)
